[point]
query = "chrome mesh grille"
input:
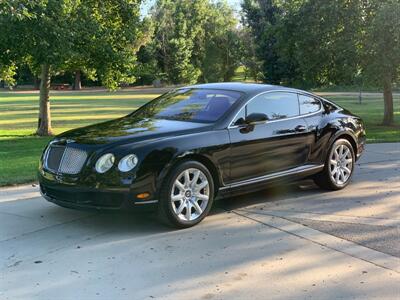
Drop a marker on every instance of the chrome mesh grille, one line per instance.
(65, 160)
(72, 161)
(54, 155)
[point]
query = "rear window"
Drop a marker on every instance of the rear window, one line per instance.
(330, 107)
(308, 104)
(195, 105)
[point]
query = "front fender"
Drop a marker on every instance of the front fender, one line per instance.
(159, 157)
(209, 148)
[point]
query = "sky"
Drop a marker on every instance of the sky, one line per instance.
(147, 4)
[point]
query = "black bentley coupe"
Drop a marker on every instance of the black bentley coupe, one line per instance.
(180, 151)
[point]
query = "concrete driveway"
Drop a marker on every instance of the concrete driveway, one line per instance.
(287, 242)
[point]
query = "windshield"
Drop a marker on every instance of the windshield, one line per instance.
(195, 105)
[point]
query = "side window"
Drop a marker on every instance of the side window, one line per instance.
(241, 116)
(275, 105)
(308, 104)
(329, 107)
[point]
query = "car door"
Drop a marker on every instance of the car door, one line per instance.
(278, 144)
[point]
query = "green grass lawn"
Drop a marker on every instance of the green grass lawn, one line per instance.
(20, 149)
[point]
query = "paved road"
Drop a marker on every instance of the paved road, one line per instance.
(287, 242)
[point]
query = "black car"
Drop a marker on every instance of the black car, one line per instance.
(180, 151)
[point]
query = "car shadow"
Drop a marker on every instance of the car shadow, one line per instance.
(272, 193)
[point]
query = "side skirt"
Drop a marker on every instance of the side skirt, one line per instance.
(301, 171)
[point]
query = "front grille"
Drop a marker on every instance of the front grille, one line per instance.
(53, 157)
(65, 160)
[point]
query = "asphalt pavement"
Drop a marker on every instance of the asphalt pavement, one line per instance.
(292, 241)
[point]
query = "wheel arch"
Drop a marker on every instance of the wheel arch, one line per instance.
(347, 135)
(207, 162)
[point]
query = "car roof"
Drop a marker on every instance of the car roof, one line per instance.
(248, 88)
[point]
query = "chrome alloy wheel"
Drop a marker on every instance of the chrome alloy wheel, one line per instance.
(190, 194)
(341, 164)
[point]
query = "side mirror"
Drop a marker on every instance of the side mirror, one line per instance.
(255, 118)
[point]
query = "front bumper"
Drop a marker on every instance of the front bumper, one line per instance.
(71, 193)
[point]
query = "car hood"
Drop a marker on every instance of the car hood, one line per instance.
(130, 129)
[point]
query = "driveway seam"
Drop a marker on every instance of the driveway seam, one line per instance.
(319, 243)
(374, 162)
(271, 211)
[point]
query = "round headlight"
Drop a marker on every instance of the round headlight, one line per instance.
(105, 162)
(128, 162)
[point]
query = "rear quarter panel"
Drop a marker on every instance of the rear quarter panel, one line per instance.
(328, 127)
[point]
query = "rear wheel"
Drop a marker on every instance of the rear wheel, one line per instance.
(186, 195)
(339, 166)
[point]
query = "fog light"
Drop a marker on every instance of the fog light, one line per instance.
(142, 195)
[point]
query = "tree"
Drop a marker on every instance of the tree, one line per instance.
(313, 43)
(221, 44)
(178, 28)
(262, 17)
(249, 58)
(7, 74)
(194, 40)
(382, 52)
(325, 40)
(147, 70)
(104, 35)
(307, 42)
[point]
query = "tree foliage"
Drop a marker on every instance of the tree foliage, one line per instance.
(7, 74)
(382, 44)
(381, 61)
(253, 65)
(221, 44)
(194, 40)
(263, 17)
(312, 43)
(178, 29)
(306, 43)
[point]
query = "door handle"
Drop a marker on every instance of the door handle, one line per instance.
(300, 128)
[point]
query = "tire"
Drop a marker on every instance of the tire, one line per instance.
(179, 195)
(339, 166)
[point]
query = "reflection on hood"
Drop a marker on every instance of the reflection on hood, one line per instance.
(130, 128)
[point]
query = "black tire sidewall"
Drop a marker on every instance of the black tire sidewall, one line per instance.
(165, 205)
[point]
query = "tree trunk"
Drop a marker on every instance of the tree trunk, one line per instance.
(77, 83)
(44, 122)
(388, 102)
(36, 82)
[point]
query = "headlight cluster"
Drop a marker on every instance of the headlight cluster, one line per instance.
(106, 161)
(128, 163)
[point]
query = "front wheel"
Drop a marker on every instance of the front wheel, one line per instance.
(186, 195)
(339, 166)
